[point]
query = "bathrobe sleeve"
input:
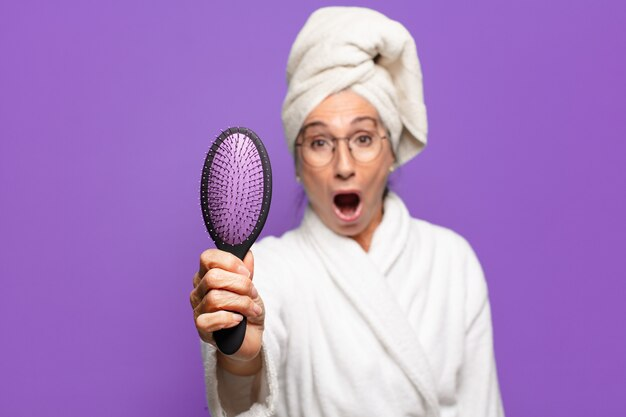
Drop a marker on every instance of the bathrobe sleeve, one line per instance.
(478, 391)
(252, 396)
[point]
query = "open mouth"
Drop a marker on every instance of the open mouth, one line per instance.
(347, 206)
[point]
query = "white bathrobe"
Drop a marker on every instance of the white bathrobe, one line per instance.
(401, 330)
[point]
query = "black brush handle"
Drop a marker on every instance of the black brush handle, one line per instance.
(230, 340)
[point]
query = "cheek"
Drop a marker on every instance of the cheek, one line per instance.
(378, 183)
(382, 173)
(315, 185)
(378, 176)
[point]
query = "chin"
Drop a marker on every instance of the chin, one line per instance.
(351, 229)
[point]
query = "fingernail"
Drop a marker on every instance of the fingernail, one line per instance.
(237, 317)
(257, 309)
(254, 293)
(243, 270)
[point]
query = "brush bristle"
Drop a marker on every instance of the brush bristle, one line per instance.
(235, 188)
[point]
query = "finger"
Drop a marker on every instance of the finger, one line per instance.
(194, 300)
(211, 322)
(248, 261)
(215, 258)
(218, 278)
(193, 295)
(217, 300)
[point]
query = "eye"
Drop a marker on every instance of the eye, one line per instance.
(318, 144)
(362, 140)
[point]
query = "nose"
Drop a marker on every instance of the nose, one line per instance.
(344, 164)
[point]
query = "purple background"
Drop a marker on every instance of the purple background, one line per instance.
(107, 109)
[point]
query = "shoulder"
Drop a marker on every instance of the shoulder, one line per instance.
(443, 238)
(275, 247)
(277, 257)
(449, 248)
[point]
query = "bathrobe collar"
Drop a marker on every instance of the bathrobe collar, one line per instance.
(362, 277)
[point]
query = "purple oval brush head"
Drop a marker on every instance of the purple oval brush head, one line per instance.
(235, 196)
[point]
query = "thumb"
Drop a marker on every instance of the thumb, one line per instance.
(248, 261)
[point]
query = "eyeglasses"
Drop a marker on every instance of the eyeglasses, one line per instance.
(318, 148)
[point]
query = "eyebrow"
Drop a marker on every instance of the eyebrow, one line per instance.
(361, 118)
(354, 121)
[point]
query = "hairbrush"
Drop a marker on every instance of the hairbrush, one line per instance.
(235, 196)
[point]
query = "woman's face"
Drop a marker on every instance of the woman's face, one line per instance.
(346, 194)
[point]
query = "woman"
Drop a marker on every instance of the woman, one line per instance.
(362, 310)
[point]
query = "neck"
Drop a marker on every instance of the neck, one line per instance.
(364, 239)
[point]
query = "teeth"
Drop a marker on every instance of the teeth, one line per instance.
(347, 206)
(347, 203)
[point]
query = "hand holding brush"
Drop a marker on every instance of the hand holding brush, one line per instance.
(223, 295)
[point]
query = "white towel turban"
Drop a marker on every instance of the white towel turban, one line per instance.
(363, 50)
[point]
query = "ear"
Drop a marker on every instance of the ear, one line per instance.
(297, 165)
(394, 160)
(390, 144)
